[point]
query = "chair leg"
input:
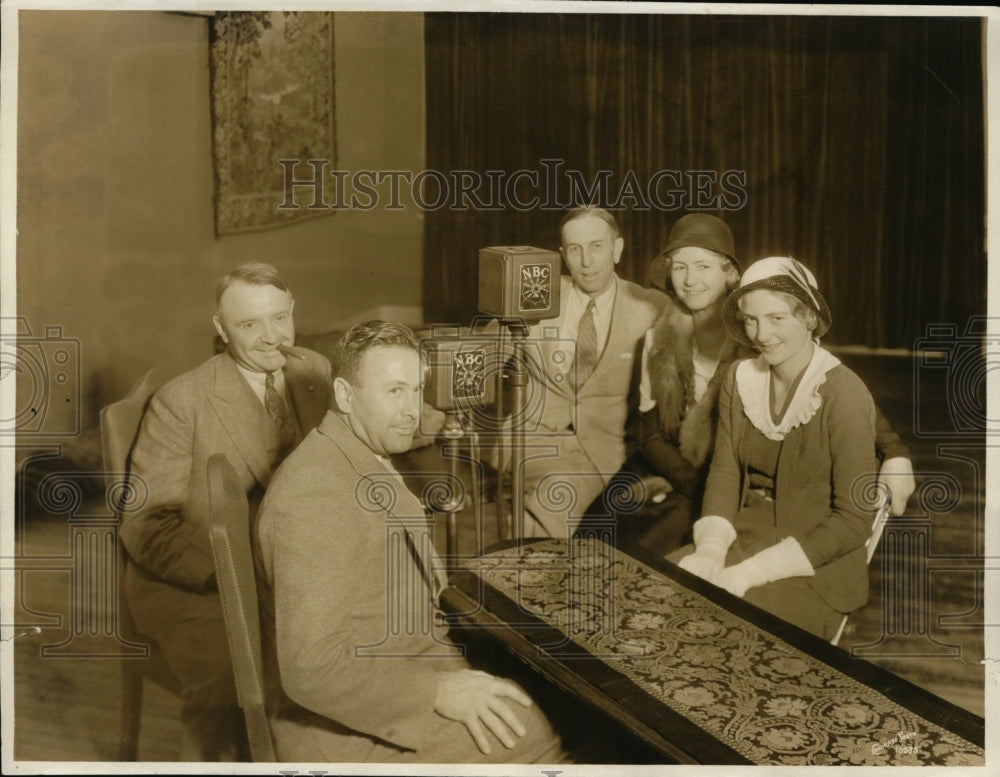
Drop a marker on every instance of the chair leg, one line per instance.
(131, 711)
(840, 632)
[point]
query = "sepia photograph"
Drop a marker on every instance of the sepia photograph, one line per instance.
(489, 388)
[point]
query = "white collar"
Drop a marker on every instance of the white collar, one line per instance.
(257, 382)
(253, 377)
(602, 301)
(753, 381)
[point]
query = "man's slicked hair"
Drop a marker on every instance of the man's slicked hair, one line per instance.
(254, 273)
(591, 210)
(361, 338)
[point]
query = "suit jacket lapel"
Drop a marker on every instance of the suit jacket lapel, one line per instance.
(233, 401)
(403, 505)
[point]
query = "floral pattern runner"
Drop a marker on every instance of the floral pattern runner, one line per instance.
(756, 694)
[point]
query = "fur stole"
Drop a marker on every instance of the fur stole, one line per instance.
(671, 374)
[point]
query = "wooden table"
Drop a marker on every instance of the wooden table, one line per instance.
(698, 674)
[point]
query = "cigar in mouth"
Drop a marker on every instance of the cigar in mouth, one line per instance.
(287, 351)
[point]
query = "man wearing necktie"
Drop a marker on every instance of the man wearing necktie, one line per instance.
(253, 402)
(579, 443)
(280, 415)
(367, 672)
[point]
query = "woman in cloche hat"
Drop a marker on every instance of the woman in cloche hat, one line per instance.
(685, 358)
(784, 524)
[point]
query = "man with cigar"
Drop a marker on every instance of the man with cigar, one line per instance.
(253, 402)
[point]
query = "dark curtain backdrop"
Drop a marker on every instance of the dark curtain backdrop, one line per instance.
(861, 143)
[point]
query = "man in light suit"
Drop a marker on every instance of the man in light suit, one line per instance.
(253, 402)
(352, 583)
(579, 442)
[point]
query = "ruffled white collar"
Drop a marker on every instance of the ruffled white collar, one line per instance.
(753, 381)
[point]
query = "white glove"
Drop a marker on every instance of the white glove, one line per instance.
(786, 559)
(897, 474)
(713, 535)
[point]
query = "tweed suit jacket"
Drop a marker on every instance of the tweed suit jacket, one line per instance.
(210, 409)
(595, 412)
(353, 603)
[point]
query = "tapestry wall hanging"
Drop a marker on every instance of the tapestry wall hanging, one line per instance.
(272, 99)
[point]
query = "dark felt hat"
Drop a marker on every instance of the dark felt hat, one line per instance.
(776, 273)
(695, 230)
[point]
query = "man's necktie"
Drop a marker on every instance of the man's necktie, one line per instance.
(280, 415)
(586, 345)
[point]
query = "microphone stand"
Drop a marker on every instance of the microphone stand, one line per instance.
(452, 431)
(518, 377)
(455, 429)
(503, 530)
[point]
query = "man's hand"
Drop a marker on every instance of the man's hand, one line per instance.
(897, 474)
(476, 699)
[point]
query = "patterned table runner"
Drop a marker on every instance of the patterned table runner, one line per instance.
(758, 695)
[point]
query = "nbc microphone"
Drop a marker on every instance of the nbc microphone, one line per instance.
(519, 283)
